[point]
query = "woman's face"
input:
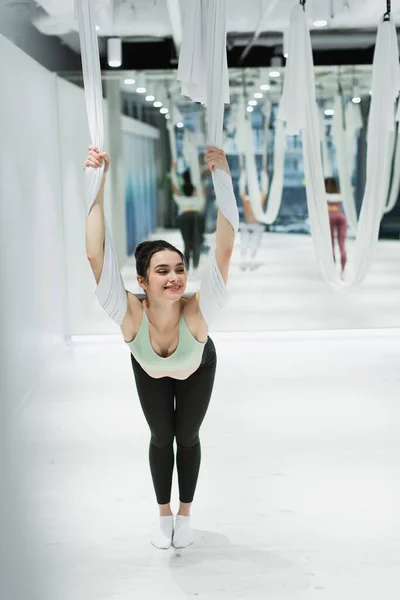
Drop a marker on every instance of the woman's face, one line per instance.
(166, 278)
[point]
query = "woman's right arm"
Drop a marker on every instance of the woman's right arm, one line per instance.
(95, 221)
(122, 306)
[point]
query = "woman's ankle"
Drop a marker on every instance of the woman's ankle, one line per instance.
(184, 509)
(165, 510)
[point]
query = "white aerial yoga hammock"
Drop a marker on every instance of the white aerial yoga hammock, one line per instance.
(203, 72)
(246, 146)
(395, 183)
(172, 144)
(110, 291)
(265, 183)
(299, 109)
(341, 140)
(191, 157)
(354, 124)
(326, 159)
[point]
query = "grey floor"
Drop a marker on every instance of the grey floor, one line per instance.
(299, 491)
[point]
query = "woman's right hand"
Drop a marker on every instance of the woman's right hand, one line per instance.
(95, 159)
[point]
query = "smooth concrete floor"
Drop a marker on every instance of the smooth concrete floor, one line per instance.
(299, 490)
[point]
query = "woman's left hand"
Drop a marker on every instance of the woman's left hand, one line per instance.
(215, 157)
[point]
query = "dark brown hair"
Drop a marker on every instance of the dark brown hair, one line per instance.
(331, 186)
(145, 251)
(188, 187)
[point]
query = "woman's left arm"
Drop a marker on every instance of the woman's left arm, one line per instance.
(174, 181)
(225, 234)
(213, 295)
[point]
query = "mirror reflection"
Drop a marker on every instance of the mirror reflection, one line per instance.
(165, 190)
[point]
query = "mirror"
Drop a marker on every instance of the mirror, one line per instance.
(275, 282)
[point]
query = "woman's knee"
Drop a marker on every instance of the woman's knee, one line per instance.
(162, 439)
(185, 439)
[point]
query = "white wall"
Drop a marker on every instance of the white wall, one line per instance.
(32, 276)
(46, 281)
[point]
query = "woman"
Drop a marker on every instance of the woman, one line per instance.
(191, 206)
(251, 230)
(173, 359)
(337, 220)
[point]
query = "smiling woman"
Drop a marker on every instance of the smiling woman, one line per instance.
(173, 359)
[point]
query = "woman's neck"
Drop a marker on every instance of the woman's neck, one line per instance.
(163, 315)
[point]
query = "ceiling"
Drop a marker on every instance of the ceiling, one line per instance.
(351, 24)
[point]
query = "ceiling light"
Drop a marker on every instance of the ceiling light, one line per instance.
(250, 109)
(150, 98)
(321, 23)
(97, 28)
(157, 104)
(129, 81)
(329, 112)
(167, 116)
(274, 74)
(258, 95)
(252, 102)
(141, 83)
(180, 124)
(356, 100)
(265, 87)
(114, 52)
(164, 111)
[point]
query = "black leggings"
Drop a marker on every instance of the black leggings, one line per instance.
(191, 226)
(176, 408)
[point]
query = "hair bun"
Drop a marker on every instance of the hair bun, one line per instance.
(140, 247)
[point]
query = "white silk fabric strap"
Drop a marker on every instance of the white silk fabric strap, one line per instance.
(245, 145)
(110, 290)
(203, 73)
(395, 183)
(299, 109)
(174, 155)
(340, 139)
(265, 183)
(326, 160)
(192, 157)
(354, 124)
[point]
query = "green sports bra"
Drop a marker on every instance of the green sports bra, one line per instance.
(187, 356)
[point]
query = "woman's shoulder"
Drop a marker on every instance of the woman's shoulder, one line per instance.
(193, 317)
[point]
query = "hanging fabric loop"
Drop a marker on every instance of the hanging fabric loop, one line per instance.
(110, 290)
(339, 133)
(203, 73)
(298, 108)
